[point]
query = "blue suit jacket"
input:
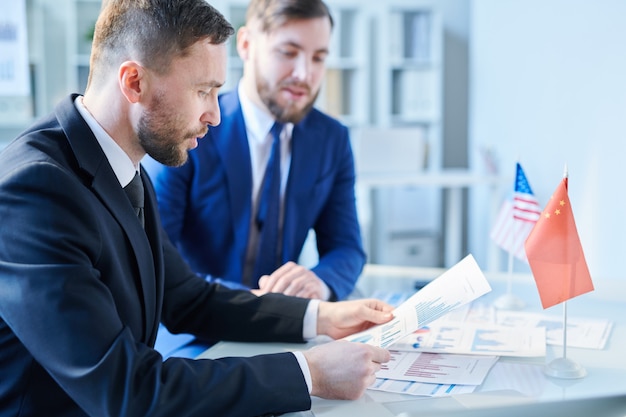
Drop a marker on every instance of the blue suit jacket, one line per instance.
(83, 287)
(206, 204)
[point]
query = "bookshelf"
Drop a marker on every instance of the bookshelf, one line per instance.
(384, 71)
(410, 71)
(344, 93)
(407, 225)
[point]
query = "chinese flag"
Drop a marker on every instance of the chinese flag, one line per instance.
(554, 252)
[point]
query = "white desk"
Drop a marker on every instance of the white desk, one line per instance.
(453, 181)
(606, 368)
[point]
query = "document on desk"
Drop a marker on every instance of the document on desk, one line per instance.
(437, 368)
(581, 332)
(420, 388)
(459, 285)
(475, 339)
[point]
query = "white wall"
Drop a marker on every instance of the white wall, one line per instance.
(548, 85)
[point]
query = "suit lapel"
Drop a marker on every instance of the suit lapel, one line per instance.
(305, 164)
(231, 141)
(98, 174)
(153, 232)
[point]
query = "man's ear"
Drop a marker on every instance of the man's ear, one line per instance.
(132, 80)
(243, 42)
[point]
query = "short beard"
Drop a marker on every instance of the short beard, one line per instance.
(159, 145)
(167, 154)
(157, 133)
(283, 114)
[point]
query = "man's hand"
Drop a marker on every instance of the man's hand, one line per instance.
(293, 279)
(344, 318)
(343, 370)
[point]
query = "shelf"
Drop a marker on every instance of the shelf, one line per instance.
(415, 94)
(384, 70)
(344, 94)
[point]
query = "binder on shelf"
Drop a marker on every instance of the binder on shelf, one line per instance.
(414, 91)
(333, 92)
(348, 29)
(396, 36)
(417, 32)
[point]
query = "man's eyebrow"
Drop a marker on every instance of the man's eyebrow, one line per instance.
(298, 46)
(211, 84)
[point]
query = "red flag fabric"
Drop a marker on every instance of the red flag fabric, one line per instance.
(555, 254)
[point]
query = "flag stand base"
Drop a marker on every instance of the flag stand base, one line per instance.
(564, 368)
(509, 302)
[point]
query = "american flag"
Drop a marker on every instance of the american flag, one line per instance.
(517, 217)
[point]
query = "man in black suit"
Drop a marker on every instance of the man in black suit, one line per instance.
(84, 283)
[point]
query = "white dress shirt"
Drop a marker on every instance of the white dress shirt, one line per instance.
(258, 125)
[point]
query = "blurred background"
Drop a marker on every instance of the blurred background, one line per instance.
(442, 98)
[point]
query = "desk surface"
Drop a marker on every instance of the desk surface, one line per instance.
(606, 369)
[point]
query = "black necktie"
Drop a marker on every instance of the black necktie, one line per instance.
(134, 191)
(267, 259)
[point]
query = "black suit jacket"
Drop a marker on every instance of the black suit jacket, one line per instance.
(83, 287)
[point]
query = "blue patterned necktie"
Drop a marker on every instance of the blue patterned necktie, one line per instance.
(266, 219)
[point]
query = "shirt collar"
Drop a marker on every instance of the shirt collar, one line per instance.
(121, 163)
(258, 122)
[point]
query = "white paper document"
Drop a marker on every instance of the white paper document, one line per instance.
(437, 368)
(475, 339)
(459, 285)
(581, 332)
(420, 388)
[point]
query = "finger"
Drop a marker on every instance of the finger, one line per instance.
(297, 283)
(379, 305)
(269, 284)
(310, 289)
(278, 284)
(380, 355)
(291, 279)
(309, 293)
(263, 281)
(376, 316)
(370, 380)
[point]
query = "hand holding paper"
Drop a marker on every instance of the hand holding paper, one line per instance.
(459, 285)
(347, 317)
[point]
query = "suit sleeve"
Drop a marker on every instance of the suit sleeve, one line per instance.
(213, 311)
(341, 254)
(66, 315)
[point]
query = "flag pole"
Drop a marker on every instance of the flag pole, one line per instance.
(565, 302)
(565, 329)
(563, 367)
(509, 286)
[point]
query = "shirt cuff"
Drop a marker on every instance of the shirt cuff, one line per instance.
(309, 331)
(309, 326)
(326, 292)
(304, 366)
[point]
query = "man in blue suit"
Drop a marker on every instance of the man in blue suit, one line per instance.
(209, 205)
(87, 272)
